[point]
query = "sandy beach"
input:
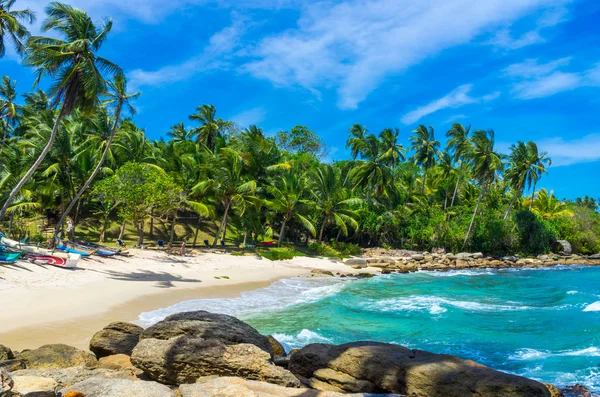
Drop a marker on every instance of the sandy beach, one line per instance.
(46, 304)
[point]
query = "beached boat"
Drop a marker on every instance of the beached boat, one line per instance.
(54, 260)
(101, 250)
(33, 249)
(9, 257)
(74, 248)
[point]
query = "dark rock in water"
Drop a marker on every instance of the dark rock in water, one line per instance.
(12, 365)
(115, 338)
(6, 353)
(364, 275)
(103, 387)
(185, 359)
(57, 356)
(237, 387)
(379, 367)
(278, 349)
(321, 272)
(577, 391)
(205, 325)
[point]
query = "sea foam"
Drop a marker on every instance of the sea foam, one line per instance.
(594, 307)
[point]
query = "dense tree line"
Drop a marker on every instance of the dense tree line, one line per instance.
(76, 151)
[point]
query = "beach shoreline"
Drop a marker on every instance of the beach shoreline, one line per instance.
(45, 304)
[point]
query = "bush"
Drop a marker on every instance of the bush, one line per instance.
(346, 249)
(277, 254)
(320, 249)
(535, 234)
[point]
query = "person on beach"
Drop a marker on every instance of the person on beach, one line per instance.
(182, 250)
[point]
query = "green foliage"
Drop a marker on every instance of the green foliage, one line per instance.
(346, 249)
(535, 234)
(581, 229)
(324, 250)
(301, 139)
(278, 253)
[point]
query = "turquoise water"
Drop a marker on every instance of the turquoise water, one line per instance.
(543, 324)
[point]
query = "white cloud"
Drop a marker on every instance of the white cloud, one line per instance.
(216, 55)
(455, 99)
(354, 45)
(250, 116)
(535, 80)
(566, 152)
(455, 117)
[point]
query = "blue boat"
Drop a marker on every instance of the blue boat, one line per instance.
(9, 257)
(73, 248)
(100, 249)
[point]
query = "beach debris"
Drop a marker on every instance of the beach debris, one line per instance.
(115, 338)
(374, 367)
(57, 356)
(105, 387)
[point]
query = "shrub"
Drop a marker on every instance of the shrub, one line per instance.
(535, 234)
(346, 249)
(320, 249)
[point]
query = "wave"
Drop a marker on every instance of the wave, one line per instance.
(594, 307)
(276, 297)
(533, 354)
(456, 273)
(301, 339)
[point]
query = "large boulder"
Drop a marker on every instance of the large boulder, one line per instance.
(184, 359)
(104, 387)
(238, 387)
(35, 386)
(12, 365)
(205, 325)
(57, 356)
(115, 338)
(6, 353)
(379, 367)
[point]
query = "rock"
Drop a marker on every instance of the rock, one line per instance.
(464, 255)
(322, 272)
(12, 365)
(554, 391)
(417, 257)
(238, 387)
(57, 356)
(376, 367)
(115, 338)
(595, 256)
(387, 259)
(103, 387)
(477, 255)
(278, 349)
(6, 383)
(356, 262)
(73, 393)
(6, 353)
(510, 259)
(35, 386)
(184, 359)
(461, 264)
(117, 362)
(357, 267)
(364, 275)
(67, 376)
(577, 391)
(202, 324)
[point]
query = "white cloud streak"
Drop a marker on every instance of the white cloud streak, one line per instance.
(567, 152)
(250, 116)
(455, 99)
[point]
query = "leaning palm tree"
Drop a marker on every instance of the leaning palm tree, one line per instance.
(459, 145)
(426, 149)
(538, 162)
(117, 98)
(486, 164)
(74, 66)
(11, 26)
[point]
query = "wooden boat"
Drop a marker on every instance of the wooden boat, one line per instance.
(74, 248)
(54, 260)
(33, 249)
(9, 257)
(101, 250)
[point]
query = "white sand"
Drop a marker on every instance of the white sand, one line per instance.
(46, 304)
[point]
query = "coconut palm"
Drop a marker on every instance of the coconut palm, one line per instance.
(73, 65)
(459, 145)
(392, 153)
(118, 99)
(426, 149)
(178, 133)
(210, 129)
(9, 110)
(538, 162)
(288, 193)
(485, 163)
(11, 26)
(356, 140)
(548, 206)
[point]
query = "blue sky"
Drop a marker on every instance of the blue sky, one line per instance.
(529, 69)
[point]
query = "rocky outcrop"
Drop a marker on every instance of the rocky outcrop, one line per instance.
(278, 349)
(120, 362)
(184, 359)
(57, 356)
(12, 365)
(103, 387)
(115, 338)
(237, 387)
(205, 325)
(577, 391)
(68, 376)
(6, 353)
(35, 386)
(554, 391)
(379, 367)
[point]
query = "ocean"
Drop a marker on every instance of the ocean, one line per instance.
(540, 323)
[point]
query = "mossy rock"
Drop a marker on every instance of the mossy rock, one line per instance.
(57, 356)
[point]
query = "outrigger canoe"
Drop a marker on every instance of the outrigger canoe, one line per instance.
(52, 260)
(100, 249)
(9, 257)
(72, 258)
(74, 248)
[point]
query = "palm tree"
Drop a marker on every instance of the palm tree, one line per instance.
(288, 192)
(333, 202)
(117, 98)
(209, 130)
(356, 140)
(8, 108)
(538, 161)
(519, 173)
(486, 163)
(178, 133)
(459, 145)
(228, 186)
(74, 66)
(548, 206)
(11, 26)
(426, 149)
(392, 153)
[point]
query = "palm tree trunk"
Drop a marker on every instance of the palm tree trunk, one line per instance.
(10, 223)
(197, 231)
(474, 215)
(122, 230)
(96, 170)
(281, 232)
(34, 167)
(151, 232)
(530, 201)
(424, 179)
(322, 230)
(140, 233)
(445, 199)
(104, 227)
(222, 225)
(512, 203)
(245, 239)
(173, 229)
